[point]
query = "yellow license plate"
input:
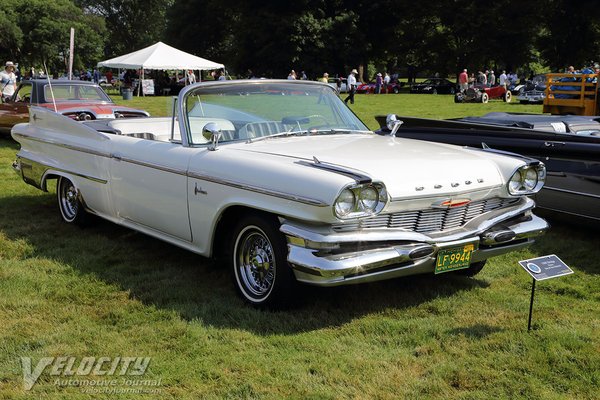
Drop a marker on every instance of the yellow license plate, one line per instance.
(454, 258)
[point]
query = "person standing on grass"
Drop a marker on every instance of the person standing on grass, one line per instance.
(190, 77)
(8, 81)
(351, 84)
(463, 80)
(378, 83)
(386, 82)
(503, 79)
(481, 78)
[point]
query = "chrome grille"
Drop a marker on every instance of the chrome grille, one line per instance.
(430, 220)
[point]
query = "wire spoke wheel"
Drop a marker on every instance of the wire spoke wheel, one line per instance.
(255, 262)
(69, 203)
(67, 197)
(258, 256)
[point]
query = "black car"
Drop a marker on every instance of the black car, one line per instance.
(434, 86)
(568, 145)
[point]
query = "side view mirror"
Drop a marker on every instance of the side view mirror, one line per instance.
(393, 123)
(212, 133)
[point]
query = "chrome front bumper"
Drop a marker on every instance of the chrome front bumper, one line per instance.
(325, 258)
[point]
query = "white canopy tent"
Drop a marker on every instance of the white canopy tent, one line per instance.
(162, 57)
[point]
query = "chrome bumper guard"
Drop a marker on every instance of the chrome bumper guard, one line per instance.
(319, 256)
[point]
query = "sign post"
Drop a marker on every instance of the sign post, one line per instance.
(531, 304)
(542, 268)
(71, 51)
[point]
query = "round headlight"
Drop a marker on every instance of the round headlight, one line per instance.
(344, 204)
(541, 173)
(368, 199)
(514, 185)
(531, 179)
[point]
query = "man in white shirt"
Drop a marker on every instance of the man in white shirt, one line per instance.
(386, 81)
(191, 77)
(351, 85)
(8, 81)
(503, 79)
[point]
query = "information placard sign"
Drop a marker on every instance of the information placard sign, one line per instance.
(148, 86)
(545, 267)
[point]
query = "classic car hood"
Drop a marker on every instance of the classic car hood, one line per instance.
(98, 109)
(394, 161)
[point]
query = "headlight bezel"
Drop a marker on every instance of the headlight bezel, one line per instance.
(517, 184)
(363, 196)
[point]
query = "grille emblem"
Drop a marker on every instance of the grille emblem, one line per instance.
(451, 203)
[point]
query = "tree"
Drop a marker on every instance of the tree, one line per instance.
(46, 29)
(131, 24)
(571, 35)
(188, 30)
(11, 35)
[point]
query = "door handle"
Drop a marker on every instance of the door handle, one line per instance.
(117, 156)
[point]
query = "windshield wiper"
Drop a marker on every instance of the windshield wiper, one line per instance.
(276, 135)
(333, 131)
(306, 132)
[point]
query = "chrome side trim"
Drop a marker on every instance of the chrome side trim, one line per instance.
(63, 145)
(149, 165)
(572, 192)
(34, 172)
(256, 189)
(116, 156)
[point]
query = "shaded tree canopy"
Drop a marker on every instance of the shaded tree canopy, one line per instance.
(271, 37)
(36, 32)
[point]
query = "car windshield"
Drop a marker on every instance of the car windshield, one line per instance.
(65, 93)
(249, 110)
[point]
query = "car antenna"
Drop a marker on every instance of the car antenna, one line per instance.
(50, 84)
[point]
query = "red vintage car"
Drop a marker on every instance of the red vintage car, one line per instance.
(481, 94)
(79, 100)
(370, 88)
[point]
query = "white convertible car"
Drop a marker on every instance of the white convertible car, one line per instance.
(282, 179)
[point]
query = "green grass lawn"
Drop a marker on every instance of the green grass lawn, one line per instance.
(106, 291)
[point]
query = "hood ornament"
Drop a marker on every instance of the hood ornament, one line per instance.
(393, 123)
